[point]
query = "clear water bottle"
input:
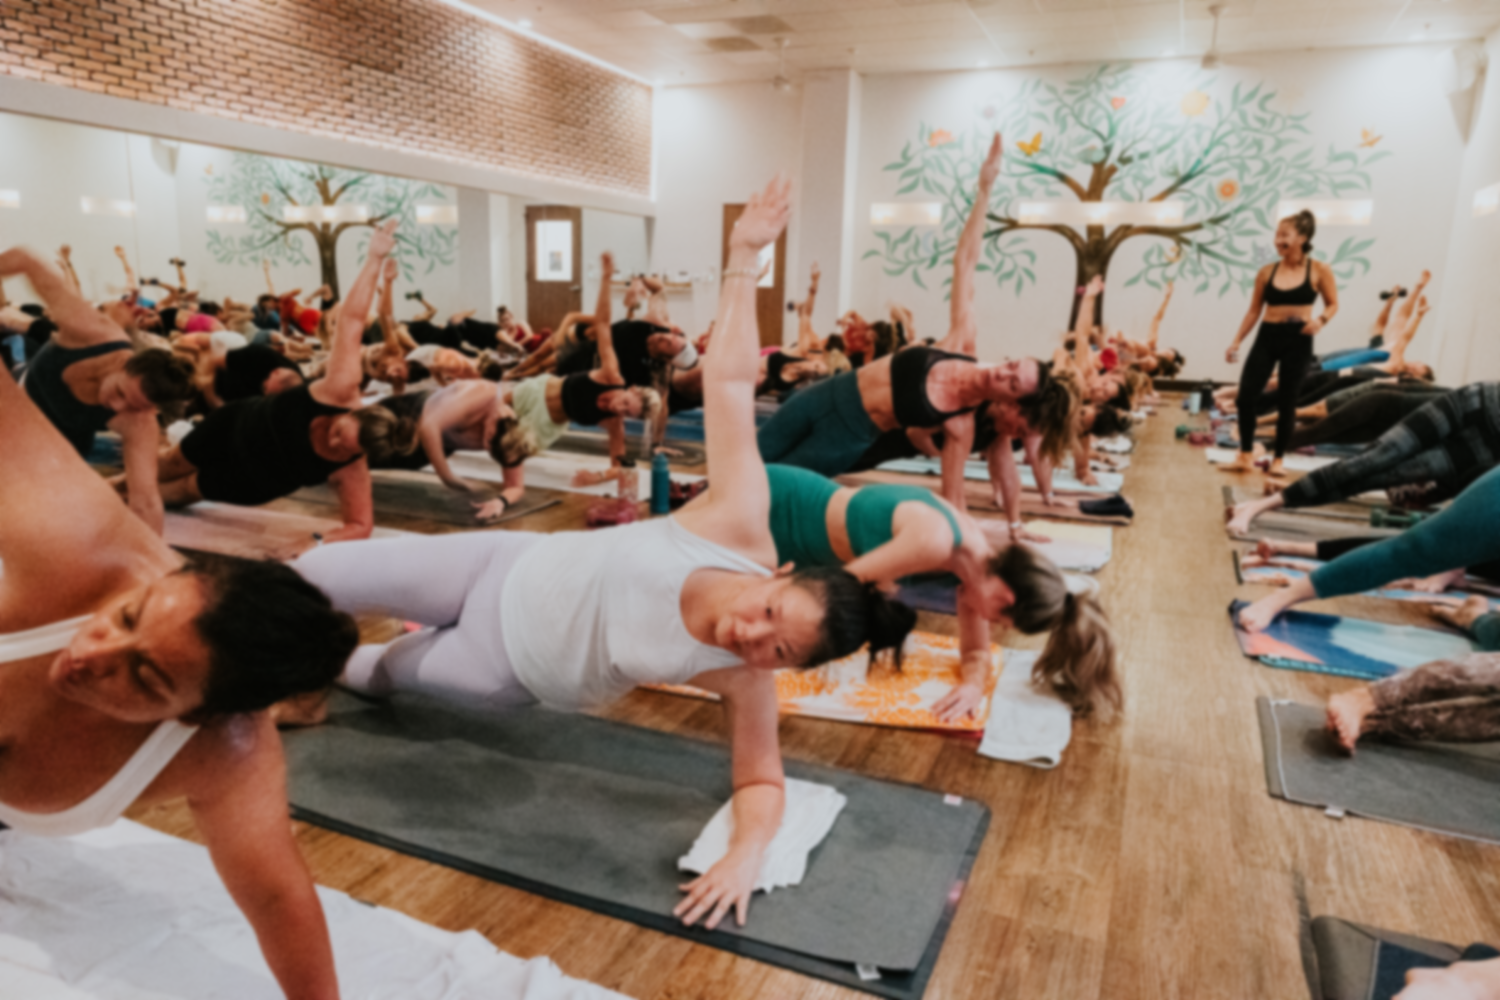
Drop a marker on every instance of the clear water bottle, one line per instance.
(661, 485)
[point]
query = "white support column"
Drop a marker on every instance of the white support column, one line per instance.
(475, 289)
(826, 234)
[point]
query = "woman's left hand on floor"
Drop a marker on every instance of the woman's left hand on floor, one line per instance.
(960, 703)
(727, 884)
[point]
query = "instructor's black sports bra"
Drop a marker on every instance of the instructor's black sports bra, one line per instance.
(909, 370)
(1303, 295)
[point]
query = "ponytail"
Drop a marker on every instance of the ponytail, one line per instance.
(854, 614)
(1306, 225)
(1078, 662)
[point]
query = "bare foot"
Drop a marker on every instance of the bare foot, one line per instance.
(1347, 712)
(1256, 617)
(1242, 463)
(1462, 615)
(1275, 469)
(309, 709)
(1240, 515)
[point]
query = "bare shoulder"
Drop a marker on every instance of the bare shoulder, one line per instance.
(224, 754)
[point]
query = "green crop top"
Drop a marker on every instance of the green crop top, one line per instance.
(799, 515)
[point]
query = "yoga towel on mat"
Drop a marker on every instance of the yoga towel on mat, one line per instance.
(1442, 787)
(418, 494)
(811, 810)
(850, 690)
(1026, 726)
(1346, 647)
(126, 913)
(596, 814)
(1358, 962)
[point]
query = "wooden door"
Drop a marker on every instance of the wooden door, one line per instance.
(770, 295)
(554, 264)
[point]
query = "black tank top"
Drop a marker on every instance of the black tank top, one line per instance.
(909, 370)
(580, 399)
(272, 440)
(775, 364)
(1303, 295)
(78, 421)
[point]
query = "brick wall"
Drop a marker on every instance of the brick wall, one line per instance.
(409, 75)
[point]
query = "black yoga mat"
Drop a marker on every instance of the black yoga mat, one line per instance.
(595, 814)
(417, 494)
(1358, 962)
(1447, 788)
(597, 443)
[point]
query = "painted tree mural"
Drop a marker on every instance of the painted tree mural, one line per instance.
(265, 187)
(1121, 134)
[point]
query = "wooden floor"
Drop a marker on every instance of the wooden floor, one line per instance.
(1151, 863)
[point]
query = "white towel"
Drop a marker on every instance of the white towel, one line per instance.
(810, 813)
(554, 470)
(1026, 726)
(126, 913)
(1120, 444)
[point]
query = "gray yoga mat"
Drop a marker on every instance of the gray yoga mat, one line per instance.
(597, 443)
(422, 495)
(1349, 957)
(1443, 787)
(596, 814)
(1299, 526)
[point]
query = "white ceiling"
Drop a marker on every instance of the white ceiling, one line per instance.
(713, 41)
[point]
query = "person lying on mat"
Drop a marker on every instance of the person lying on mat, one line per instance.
(131, 677)
(1461, 535)
(784, 369)
(1446, 701)
(1451, 442)
(884, 533)
(828, 426)
(583, 617)
(257, 450)
(89, 377)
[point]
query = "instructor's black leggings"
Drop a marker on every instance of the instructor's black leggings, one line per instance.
(1285, 348)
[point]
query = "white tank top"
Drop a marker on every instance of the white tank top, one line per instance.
(109, 802)
(588, 615)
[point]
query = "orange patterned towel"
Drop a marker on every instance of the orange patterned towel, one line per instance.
(850, 690)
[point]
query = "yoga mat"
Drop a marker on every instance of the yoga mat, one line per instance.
(851, 690)
(247, 532)
(1063, 480)
(1297, 526)
(1359, 513)
(1359, 962)
(597, 443)
(981, 498)
(1291, 463)
(1297, 568)
(127, 913)
(595, 814)
(1346, 647)
(419, 494)
(554, 470)
(1441, 787)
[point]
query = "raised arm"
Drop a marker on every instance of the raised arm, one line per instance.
(79, 324)
(131, 284)
(265, 265)
(1083, 359)
(1161, 313)
(1377, 329)
(963, 332)
(339, 385)
(738, 514)
(609, 362)
(65, 264)
(808, 342)
(1406, 326)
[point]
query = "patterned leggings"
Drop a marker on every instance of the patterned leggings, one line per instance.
(1455, 701)
(1452, 441)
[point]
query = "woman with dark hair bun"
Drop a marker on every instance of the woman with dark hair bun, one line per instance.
(130, 679)
(577, 619)
(1284, 342)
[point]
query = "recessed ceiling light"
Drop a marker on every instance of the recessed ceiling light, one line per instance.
(524, 22)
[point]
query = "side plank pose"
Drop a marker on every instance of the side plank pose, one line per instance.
(784, 369)
(1283, 305)
(259, 449)
(884, 533)
(827, 427)
(129, 677)
(88, 378)
(585, 616)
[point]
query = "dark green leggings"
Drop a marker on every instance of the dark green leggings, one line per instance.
(823, 427)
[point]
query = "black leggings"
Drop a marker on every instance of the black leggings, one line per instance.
(1284, 347)
(1361, 420)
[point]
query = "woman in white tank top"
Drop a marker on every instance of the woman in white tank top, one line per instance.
(127, 677)
(579, 618)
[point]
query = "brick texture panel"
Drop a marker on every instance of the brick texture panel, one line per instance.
(410, 75)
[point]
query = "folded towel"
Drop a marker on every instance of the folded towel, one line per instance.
(810, 813)
(1026, 726)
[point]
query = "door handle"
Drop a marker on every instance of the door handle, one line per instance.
(575, 288)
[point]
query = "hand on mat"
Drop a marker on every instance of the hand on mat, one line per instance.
(728, 883)
(490, 509)
(591, 477)
(1460, 981)
(962, 702)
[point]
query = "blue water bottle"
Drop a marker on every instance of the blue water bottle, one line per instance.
(661, 485)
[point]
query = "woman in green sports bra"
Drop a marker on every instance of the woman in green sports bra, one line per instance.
(884, 533)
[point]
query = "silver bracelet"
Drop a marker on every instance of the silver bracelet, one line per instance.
(1016, 526)
(742, 272)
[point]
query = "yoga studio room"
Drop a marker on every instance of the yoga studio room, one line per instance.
(749, 499)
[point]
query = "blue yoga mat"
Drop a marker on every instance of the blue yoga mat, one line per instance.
(1345, 647)
(1297, 568)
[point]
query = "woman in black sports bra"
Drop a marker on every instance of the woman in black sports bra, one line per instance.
(1285, 339)
(829, 426)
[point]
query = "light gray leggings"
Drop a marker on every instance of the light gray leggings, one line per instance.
(449, 583)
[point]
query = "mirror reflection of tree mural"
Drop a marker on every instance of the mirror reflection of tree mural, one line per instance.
(1122, 134)
(287, 202)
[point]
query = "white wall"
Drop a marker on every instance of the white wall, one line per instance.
(1394, 92)
(622, 235)
(717, 146)
(1467, 348)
